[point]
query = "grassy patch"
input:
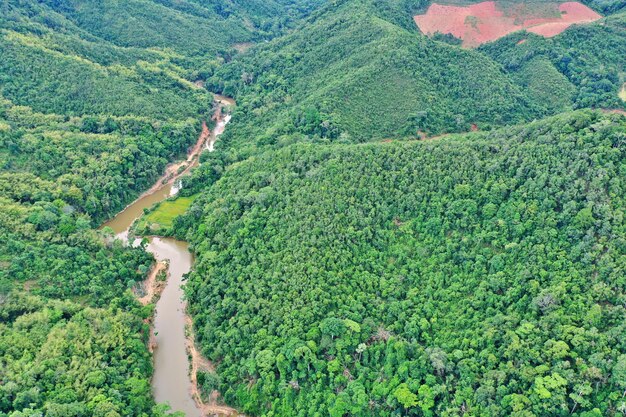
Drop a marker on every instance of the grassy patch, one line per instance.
(622, 93)
(162, 216)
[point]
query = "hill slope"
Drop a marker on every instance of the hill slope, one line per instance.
(475, 274)
(349, 74)
(354, 72)
(95, 99)
(53, 66)
(585, 66)
(189, 27)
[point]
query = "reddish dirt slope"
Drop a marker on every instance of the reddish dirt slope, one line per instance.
(485, 22)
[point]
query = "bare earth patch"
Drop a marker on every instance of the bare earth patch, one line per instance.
(614, 111)
(152, 289)
(152, 286)
(487, 21)
(30, 284)
(243, 46)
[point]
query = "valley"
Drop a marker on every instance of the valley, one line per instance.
(281, 208)
(169, 343)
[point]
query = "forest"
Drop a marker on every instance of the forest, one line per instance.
(391, 225)
(583, 67)
(478, 274)
(322, 83)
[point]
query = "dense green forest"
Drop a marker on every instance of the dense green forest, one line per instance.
(58, 70)
(94, 164)
(477, 275)
(582, 67)
(359, 70)
(67, 360)
(351, 75)
(86, 355)
(85, 126)
(189, 27)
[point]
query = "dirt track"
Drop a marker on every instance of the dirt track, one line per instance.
(171, 173)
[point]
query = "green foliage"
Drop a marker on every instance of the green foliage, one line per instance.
(355, 71)
(545, 84)
(96, 97)
(52, 249)
(473, 274)
(447, 38)
(207, 383)
(478, 274)
(606, 6)
(94, 164)
(192, 29)
(34, 74)
(85, 126)
(64, 359)
(590, 57)
(404, 396)
(187, 27)
(350, 75)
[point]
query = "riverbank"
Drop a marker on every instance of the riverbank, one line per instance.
(153, 286)
(173, 171)
(199, 363)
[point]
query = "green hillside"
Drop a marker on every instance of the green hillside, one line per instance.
(189, 27)
(95, 164)
(356, 71)
(49, 64)
(352, 76)
(73, 341)
(606, 7)
(343, 267)
(473, 275)
(120, 58)
(582, 67)
(85, 126)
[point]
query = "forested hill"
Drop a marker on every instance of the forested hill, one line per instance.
(476, 274)
(352, 74)
(357, 70)
(85, 126)
(582, 67)
(472, 275)
(51, 65)
(189, 27)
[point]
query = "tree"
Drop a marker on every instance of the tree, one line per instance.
(405, 397)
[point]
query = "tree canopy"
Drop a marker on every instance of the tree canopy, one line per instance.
(477, 274)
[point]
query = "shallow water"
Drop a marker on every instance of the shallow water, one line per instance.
(125, 218)
(170, 382)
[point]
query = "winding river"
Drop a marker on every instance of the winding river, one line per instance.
(171, 382)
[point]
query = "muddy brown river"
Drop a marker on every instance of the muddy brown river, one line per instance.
(171, 382)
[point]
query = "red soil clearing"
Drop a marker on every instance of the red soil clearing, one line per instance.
(485, 22)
